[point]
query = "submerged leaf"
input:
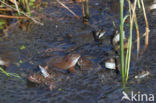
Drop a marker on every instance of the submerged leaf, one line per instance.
(22, 47)
(20, 61)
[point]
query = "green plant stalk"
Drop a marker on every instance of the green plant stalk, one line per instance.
(130, 43)
(27, 7)
(3, 71)
(128, 57)
(25, 4)
(122, 41)
(129, 49)
(126, 61)
(17, 7)
(127, 53)
(139, 4)
(10, 74)
(87, 8)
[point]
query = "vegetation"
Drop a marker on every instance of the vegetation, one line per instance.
(15, 9)
(125, 64)
(21, 6)
(9, 74)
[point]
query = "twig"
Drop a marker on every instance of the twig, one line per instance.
(5, 9)
(11, 17)
(37, 22)
(67, 8)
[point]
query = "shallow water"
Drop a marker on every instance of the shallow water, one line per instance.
(98, 86)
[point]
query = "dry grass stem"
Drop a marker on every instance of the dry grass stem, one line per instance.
(13, 17)
(137, 31)
(147, 27)
(67, 8)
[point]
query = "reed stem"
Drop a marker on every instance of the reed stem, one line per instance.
(122, 41)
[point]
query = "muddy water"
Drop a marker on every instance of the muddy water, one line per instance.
(66, 34)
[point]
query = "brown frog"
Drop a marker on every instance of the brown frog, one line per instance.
(65, 63)
(40, 79)
(51, 76)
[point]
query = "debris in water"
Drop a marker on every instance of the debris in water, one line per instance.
(110, 64)
(142, 75)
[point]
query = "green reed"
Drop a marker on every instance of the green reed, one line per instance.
(122, 41)
(21, 5)
(125, 64)
(9, 74)
(87, 8)
(26, 5)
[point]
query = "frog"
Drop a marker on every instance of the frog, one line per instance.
(67, 62)
(40, 79)
(51, 76)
